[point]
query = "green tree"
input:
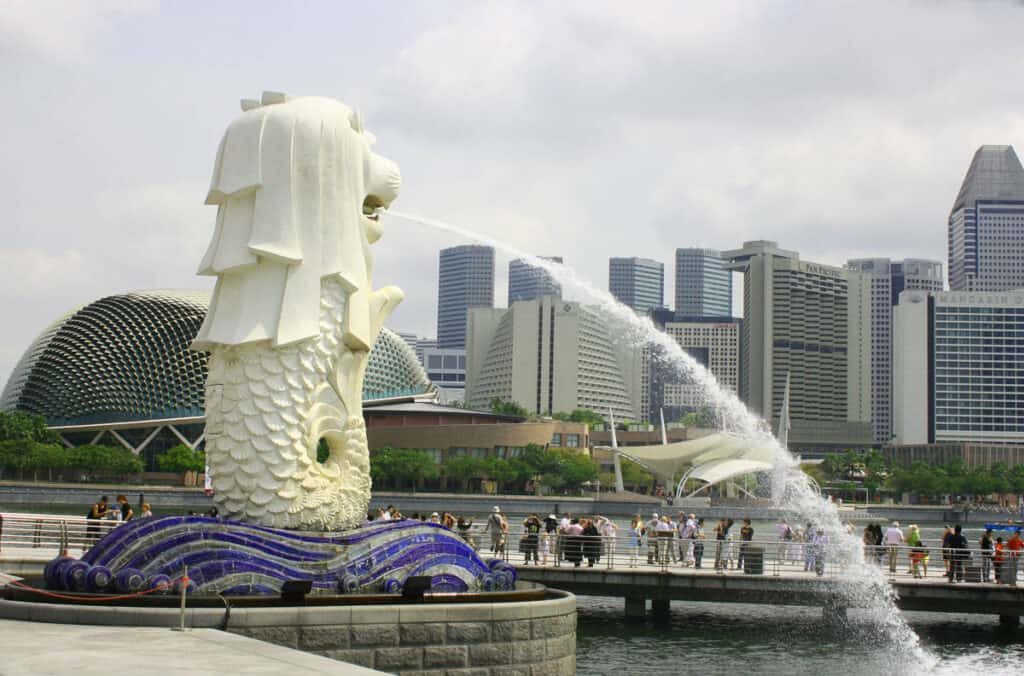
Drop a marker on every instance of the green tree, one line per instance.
(580, 415)
(12, 455)
(44, 458)
(18, 425)
(500, 471)
(508, 408)
(701, 418)
(634, 474)
(181, 458)
(400, 465)
(93, 461)
(462, 469)
(573, 470)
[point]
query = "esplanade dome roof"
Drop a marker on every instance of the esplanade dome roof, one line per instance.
(126, 358)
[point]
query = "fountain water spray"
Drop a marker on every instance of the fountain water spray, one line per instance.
(863, 585)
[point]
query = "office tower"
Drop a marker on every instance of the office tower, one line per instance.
(637, 282)
(465, 280)
(526, 282)
(548, 355)
(703, 284)
(986, 225)
(958, 367)
(888, 280)
(813, 322)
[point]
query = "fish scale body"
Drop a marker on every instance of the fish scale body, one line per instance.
(262, 436)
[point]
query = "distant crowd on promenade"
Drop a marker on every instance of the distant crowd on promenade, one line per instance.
(998, 558)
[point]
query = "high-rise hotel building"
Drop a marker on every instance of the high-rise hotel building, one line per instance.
(986, 224)
(549, 355)
(888, 279)
(465, 280)
(958, 367)
(813, 322)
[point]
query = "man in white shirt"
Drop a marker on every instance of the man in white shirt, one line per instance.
(686, 528)
(893, 539)
(652, 538)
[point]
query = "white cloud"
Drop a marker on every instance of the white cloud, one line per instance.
(62, 30)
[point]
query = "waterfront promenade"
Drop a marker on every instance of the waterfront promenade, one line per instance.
(90, 650)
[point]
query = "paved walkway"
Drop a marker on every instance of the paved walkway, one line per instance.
(61, 649)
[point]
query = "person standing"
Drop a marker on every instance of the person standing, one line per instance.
(721, 533)
(664, 531)
(698, 544)
(97, 512)
(573, 547)
(1015, 549)
(686, 528)
(636, 537)
(785, 535)
(494, 529)
(652, 538)
(746, 536)
(591, 537)
(893, 541)
(988, 549)
(957, 554)
(531, 538)
(609, 536)
(126, 509)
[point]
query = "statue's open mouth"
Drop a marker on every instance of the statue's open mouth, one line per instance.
(372, 206)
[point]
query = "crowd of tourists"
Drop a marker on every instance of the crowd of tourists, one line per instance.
(997, 561)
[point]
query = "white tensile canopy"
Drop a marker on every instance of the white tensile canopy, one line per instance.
(713, 458)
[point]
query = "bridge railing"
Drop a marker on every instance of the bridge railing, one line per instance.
(766, 556)
(48, 534)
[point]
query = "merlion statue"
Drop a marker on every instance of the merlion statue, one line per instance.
(293, 314)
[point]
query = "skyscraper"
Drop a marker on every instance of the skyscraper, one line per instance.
(526, 282)
(465, 280)
(888, 279)
(812, 322)
(986, 224)
(703, 285)
(637, 282)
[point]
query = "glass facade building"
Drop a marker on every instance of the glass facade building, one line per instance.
(986, 224)
(703, 284)
(465, 280)
(637, 282)
(526, 282)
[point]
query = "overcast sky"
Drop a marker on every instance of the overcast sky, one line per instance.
(584, 130)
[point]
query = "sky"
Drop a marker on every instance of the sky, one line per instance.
(579, 129)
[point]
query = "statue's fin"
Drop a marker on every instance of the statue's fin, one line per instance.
(249, 104)
(270, 98)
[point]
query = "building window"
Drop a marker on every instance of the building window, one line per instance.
(481, 452)
(435, 361)
(456, 452)
(556, 439)
(434, 453)
(572, 441)
(515, 451)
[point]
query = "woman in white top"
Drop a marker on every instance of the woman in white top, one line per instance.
(636, 536)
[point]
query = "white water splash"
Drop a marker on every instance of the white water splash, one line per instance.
(862, 584)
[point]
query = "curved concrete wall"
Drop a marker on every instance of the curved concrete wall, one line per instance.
(480, 639)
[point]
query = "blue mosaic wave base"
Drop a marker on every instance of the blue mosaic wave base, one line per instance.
(230, 557)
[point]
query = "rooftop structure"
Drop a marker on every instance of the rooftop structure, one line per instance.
(465, 279)
(986, 224)
(637, 282)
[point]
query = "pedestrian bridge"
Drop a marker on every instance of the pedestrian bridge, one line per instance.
(772, 575)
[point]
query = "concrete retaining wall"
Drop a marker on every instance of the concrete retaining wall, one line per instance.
(529, 638)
